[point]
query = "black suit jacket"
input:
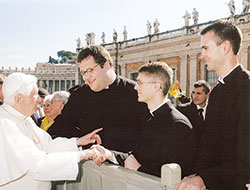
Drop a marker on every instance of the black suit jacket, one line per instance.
(224, 157)
(116, 110)
(191, 112)
(166, 138)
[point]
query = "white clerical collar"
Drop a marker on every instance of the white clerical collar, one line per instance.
(107, 87)
(222, 79)
(164, 102)
(9, 109)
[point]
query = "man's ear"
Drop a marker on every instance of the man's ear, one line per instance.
(107, 65)
(208, 94)
(158, 85)
(19, 98)
(227, 46)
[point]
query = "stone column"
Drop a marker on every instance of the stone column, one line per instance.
(71, 83)
(47, 83)
(54, 86)
(244, 57)
(183, 72)
(60, 85)
(193, 72)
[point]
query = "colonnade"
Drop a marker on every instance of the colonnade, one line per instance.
(56, 85)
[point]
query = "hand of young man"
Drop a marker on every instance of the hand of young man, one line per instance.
(248, 186)
(90, 138)
(131, 163)
(191, 183)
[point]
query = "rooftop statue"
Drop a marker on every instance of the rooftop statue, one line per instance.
(125, 34)
(103, 38)
(156, 26)
(246, 5)
(149, 27)
(78, 43)
(186, 17)
(231, 7)
(115, 36)
(195, 16)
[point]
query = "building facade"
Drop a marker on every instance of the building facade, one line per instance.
(179, 48)
(53, 77)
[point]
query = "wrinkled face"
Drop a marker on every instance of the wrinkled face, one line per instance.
(211, 53)
(29, 103)
(57, 106)
(145, 87)
(199, 97)
(93, 74)
(47, 107)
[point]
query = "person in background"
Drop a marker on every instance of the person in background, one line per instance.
(29, 158)
(48, 119)
(2, 78)
(39, 113)
(195, 111)
(56, 103)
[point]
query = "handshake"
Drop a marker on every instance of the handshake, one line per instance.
(100, 154)
(97, 152)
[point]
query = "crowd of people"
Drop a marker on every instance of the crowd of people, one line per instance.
(133, 124)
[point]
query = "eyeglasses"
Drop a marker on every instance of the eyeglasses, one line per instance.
(46, 105)
(139, 83)
(88, 71)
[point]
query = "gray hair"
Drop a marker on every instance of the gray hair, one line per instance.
(48, 97)
(18, 83)
(62, 96)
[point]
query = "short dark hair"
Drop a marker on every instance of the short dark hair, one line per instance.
(202, 83)
(42, 92)
(159, 70)
(225, 30)
(99, 53)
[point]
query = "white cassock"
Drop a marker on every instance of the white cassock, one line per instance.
(29, 158)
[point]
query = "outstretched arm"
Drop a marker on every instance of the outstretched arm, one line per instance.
(90, 138)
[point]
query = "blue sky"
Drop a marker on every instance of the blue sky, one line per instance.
(33, 30)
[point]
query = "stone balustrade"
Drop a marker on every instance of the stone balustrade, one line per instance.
(113, 177)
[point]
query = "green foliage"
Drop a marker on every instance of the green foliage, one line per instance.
(63, 56)
(64, 53)
(52, 60)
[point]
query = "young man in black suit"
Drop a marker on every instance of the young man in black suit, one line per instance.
(106, 100)
(224, 158)
(195, 111)
(167, 136)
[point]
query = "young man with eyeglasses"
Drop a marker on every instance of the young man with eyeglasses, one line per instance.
(167, 136)
(105, 100)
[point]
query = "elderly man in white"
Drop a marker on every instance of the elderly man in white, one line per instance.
(29, 158)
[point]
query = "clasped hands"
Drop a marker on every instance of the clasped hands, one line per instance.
(100, 154)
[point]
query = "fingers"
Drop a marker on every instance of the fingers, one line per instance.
(248, 186)
(95, 131)
(98, 139)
